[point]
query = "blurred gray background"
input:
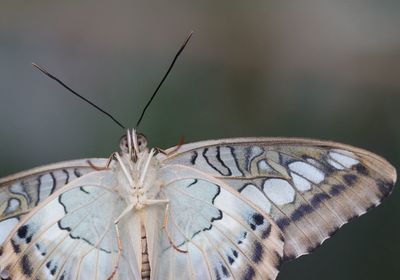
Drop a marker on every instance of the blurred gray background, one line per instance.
(318, 69)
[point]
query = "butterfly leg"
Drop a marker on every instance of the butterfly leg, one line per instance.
(126, 211)
(97, 168)
(111, 158)
(123, 214)
(165, 227)
(100, 168)
(119, 253)
(181, 142)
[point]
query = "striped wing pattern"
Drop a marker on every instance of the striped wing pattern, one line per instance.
(21, 192)
(310, 188)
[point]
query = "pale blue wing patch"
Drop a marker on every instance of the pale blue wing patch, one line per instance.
(214, 232)
(6, 226)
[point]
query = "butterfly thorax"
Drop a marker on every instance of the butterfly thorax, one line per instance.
(136, 179)
(136, 167)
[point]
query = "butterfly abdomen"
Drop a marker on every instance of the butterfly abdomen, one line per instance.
(145, 268)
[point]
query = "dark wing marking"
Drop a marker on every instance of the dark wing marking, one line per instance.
(309, 187)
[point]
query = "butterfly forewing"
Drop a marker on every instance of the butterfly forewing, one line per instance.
(310, 188)
(23, 191)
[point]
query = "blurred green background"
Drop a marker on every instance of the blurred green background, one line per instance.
(318, 69)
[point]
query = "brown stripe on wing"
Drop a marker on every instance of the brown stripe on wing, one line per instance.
(346, 194)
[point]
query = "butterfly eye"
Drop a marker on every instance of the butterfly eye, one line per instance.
(123, 144)
(142, 142)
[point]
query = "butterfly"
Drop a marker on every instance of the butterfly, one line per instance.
(218, 209)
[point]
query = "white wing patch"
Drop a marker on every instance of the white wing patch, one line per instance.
(49, 180)
(300, 183)
(335, 164)
(228, 160)
(6, 227)
(344, 158)
(279, 191)
(307, 171)
(252, 193)
(13, 205)
(264, 166)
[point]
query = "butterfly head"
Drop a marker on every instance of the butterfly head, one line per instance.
(133, 144)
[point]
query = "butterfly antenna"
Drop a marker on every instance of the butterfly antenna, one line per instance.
(44, 71)
(165, 76)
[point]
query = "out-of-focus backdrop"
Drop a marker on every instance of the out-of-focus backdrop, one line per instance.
(318, 69)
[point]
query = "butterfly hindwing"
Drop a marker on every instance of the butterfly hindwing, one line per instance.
(310, 188)
(213, 232)
(71, 235)
(23, 191)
